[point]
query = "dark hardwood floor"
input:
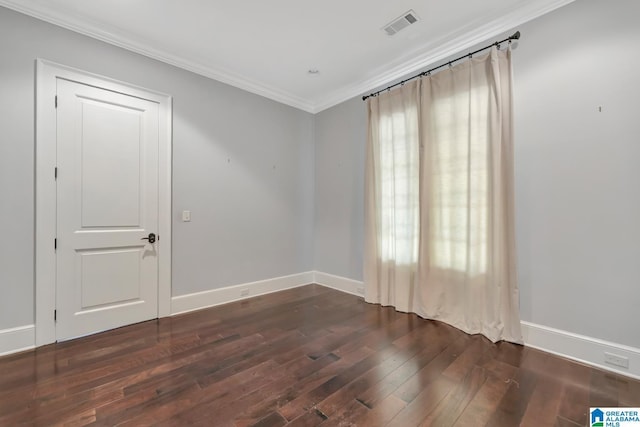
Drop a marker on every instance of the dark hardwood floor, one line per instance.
(310, 356)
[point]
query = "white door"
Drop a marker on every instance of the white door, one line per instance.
(107, 203)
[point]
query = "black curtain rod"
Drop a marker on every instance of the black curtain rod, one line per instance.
(515, 36)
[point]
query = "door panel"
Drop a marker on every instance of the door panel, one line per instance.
(109, 277)
(111, 145)
(107, 193)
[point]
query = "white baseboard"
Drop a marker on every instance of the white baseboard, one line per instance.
(199, 300)
(17, 339)
(577, 347)
(580, 348)
(343, 284)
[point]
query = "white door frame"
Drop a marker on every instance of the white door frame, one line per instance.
(45, 227)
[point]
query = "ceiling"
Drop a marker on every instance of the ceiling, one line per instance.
(268, 47)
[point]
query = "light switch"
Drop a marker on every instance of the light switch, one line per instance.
(186, 216)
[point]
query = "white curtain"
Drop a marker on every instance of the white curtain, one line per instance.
(439, 239)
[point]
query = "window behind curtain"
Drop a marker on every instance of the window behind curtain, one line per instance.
(446, 191)
(458, 206)
(399, 186)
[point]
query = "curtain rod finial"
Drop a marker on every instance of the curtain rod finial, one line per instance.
(516, 35)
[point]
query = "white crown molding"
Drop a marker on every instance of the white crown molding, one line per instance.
(382, 76)
(219, 74)
(454, 44)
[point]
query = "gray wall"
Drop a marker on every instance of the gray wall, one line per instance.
(339, 192)
(577, 173)
(241, 163)
(251, 188)
(577, 197)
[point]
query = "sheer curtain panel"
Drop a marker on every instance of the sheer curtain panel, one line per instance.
(439, 210)
(392, 198)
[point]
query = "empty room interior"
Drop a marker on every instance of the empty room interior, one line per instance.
(292, 213)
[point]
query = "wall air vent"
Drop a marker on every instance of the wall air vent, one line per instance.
(401, 23)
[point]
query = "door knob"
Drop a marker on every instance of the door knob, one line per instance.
(151, 238)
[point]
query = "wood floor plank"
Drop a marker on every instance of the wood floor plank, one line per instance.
(402, 374)
(274, 419)
(424, 403)
(574, 406)
(514, 403)
(311, 399)
(452, 406)
(628, 392)
(348, 414)
(544, 404)
(364, 382)
(604, 389)
(483, 405)
(309, 356)
(384, 411)
(432, 371)
(288, 391)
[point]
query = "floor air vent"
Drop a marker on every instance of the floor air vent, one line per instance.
(401, 23)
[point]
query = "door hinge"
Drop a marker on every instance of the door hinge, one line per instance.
(56, 101)
(55, 244)
(55, 315)
(55, 173)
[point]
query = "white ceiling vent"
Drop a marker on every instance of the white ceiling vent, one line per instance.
(401, 23)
